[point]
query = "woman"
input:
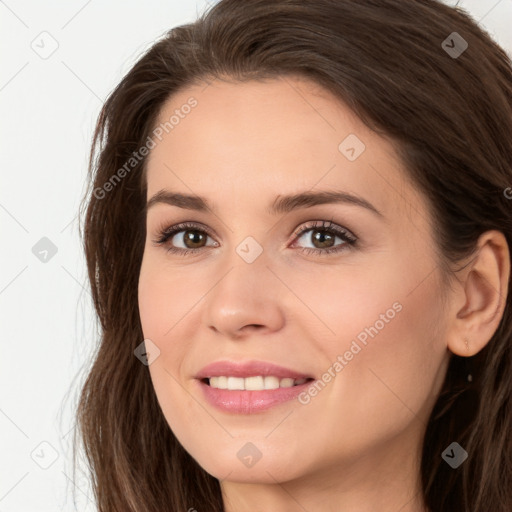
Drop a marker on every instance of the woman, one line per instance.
(297, 237)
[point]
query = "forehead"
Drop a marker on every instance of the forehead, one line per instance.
(247, 142)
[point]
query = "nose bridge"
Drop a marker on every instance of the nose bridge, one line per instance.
(247, 278)
(246, 292)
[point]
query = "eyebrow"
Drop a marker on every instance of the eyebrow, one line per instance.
(281, 205)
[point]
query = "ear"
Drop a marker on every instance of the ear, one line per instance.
(479, 301)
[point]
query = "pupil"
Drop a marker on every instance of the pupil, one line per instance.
(320, 237)
(191, 235)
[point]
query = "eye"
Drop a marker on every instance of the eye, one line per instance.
(322, 243)
(193, 236)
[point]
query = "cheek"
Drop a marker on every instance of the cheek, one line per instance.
(155, 305)
(385, 332)
(341, 303)
(392, 354)
(166, 298)
(161, 305)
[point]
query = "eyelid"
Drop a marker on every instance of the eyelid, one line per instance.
(165, 231)
(327, 226)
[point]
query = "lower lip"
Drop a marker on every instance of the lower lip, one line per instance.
(247, 402)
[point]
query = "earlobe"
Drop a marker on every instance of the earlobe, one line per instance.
(484, 288)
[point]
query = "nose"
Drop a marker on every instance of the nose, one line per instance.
(248, 298)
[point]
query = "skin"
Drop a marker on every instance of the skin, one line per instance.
(356, 445)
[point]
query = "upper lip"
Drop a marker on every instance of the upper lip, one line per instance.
(248, 369)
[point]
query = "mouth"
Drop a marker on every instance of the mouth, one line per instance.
(253, 383)
(253, 394)
(246, 387)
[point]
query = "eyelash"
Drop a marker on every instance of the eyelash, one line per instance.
(167, 233)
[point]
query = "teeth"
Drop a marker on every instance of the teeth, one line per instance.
(271, 382)
(257, 383)
(236, 383)
(254, 383)
(286, 383)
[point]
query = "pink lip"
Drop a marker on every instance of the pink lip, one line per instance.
(247, 402)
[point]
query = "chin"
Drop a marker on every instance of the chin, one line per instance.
(239, 460)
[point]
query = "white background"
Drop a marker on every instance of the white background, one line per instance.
(48, 109)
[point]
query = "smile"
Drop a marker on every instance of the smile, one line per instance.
(256, 383)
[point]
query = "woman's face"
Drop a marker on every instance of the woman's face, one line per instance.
(353, 302)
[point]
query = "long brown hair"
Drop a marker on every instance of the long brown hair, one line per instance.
(450, 118)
